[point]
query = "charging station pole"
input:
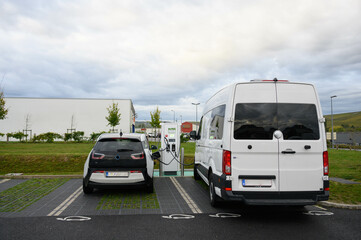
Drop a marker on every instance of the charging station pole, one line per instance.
(170, 141)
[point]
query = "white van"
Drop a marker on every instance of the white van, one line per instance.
(263, 142)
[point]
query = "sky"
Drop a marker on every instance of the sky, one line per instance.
(174, 53)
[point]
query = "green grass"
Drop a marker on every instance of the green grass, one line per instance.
(345, 193)
(24, 194)
(345, 164)
(345, 120)
(128, 200)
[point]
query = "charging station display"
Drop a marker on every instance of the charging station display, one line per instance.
(170, 142)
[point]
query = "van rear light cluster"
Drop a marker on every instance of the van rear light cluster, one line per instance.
(97, 155)
(325, 163)
(137, 155)
(226, 162)
(135, 171)
(98, 171)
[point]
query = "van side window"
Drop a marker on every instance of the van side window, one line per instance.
(206, 121)
(260, 120)
(217, 122)
(200, 128)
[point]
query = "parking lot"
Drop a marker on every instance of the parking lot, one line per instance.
(178, 207)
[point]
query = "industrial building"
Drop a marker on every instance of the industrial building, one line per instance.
(64, 115)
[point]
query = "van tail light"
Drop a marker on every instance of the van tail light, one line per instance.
(98, 171)
(325, 163)
(137, 155)
(97, 155)
(226, 162)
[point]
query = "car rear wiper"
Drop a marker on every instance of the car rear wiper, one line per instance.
(125, 150)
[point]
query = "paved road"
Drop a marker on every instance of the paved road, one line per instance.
(175, 196)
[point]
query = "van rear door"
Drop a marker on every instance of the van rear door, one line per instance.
(301, 146)
(254, 150)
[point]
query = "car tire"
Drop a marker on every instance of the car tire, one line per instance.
(150, 186)
(87, 189)
(214, 199)
(195, 172)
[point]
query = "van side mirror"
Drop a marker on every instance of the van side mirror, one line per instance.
(155, 155)
(152, 147)
(193, 134)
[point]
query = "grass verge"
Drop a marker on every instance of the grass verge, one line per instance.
(345, 193)
(23, 195)
(128, 200)
(345, 164)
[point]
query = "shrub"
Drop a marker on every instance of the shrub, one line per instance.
(18, 135)
(94, 136)
(49, 137)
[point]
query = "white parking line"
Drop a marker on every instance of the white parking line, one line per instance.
(320, 207)
(59, 209)
(4, 180)
(192, 205)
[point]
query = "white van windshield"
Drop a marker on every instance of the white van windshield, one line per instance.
(260, 120)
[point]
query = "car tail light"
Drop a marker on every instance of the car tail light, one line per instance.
(135, 171)
(97, 155)
(226, 162)
(137, 156)
(98, 172)
(325, 163)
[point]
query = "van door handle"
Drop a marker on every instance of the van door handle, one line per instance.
(288, 151)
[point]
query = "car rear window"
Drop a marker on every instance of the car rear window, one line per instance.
(118, 145)
(260, 120)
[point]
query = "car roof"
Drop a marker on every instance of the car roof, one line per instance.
(139, 136)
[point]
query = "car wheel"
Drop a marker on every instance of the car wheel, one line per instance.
(212, 193)
(150, 186)
(87, 189)
(195, 173)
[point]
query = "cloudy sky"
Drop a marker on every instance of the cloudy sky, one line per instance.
(175, 52)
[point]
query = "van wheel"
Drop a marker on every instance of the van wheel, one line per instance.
(87, 189)
(150, 186)
(195, 172)
(212, 193)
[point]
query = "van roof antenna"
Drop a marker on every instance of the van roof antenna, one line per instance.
(120, 132)
(275, 79)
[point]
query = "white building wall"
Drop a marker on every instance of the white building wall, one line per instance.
(54, 115)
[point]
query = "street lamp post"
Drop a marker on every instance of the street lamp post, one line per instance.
(181, 118)
(174, 115)
(196, 110)
(332, 143)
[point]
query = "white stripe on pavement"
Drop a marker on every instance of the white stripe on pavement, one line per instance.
(4, 180)
(59, 209)
(192, 205)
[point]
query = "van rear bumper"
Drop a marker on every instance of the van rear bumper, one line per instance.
(276, 198)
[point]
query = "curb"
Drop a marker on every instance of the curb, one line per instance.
(339, 205)
(40, 176)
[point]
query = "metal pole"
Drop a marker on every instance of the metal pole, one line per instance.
(196, 111)
(182, 162)
(332, 143)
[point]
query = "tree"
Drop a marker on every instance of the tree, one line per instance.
(114, 115)
(155, 116)
(3, 110)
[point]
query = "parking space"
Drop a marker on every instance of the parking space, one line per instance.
(173, 195)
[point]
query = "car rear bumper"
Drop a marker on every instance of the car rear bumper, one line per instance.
(276, 198)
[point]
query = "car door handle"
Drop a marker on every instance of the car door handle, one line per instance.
(288, 151)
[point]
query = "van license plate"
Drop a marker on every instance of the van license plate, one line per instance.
(256, 183)
(117, 174)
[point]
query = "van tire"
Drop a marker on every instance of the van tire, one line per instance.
(150, 186)
(214, 199)
(195, 173)
(87, 189)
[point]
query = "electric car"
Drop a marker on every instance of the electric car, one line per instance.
(263, 143)
(118, 160)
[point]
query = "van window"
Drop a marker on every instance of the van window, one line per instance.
(217, 122)
(200, 129)
(206, 122)
(260, 120)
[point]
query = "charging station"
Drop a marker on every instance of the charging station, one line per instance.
(170, 142)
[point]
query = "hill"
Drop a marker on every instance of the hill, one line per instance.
(345, 122)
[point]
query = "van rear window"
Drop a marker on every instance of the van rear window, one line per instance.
(118, 145)
(260, 120)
